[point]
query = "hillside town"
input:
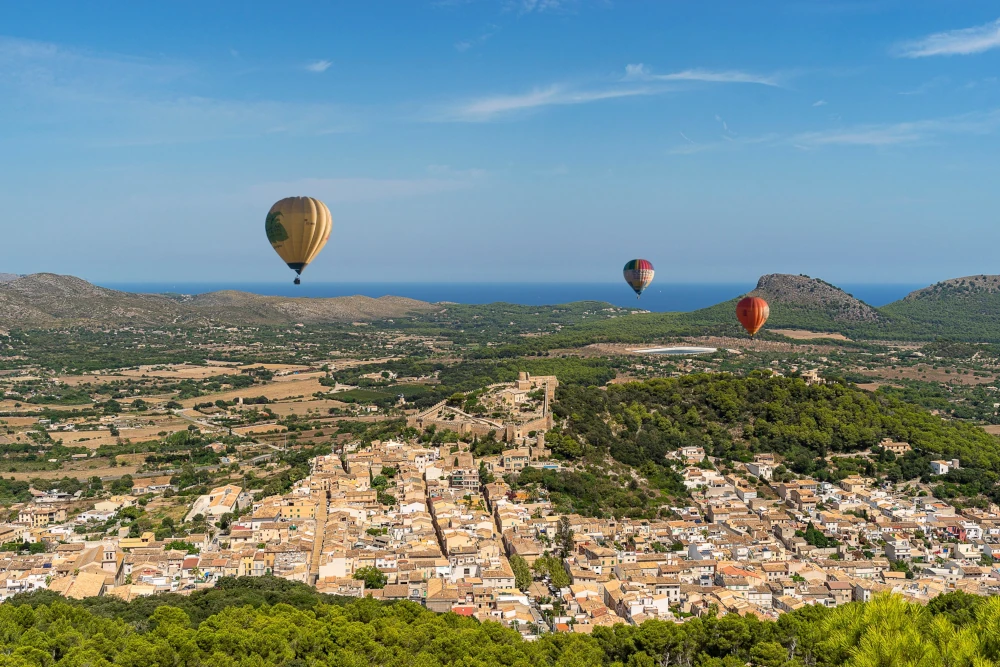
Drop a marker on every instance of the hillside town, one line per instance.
(438, 525)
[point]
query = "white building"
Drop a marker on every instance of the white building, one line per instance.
(941, 467)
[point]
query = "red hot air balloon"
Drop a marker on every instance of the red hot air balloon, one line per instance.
(752, 312)
(638, 274)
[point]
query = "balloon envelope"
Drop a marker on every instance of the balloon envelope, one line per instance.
(638, 274)
(752, 312)
(298, 228)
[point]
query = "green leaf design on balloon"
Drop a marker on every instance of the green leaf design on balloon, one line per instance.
(276, 232)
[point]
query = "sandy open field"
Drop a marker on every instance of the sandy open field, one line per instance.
(21, 378)
(175, 372)
(798, 334)
(927, 374)
(75, 470)
(340, 364)
(318, 407)
(77, 380)
(19, 421)
(275, 391)
(258, 428)
(992, 428)
(134, 460)
(88, 439)
(26, 408)
(299, 376)
(276, 368)
(95, 439)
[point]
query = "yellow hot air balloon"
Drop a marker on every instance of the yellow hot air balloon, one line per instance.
(298, 228)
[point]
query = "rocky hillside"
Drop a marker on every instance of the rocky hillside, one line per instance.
(45, 300)
(782, 289)
(7, 277)
(797, 302)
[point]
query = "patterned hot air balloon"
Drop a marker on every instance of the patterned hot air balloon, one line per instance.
(638, 274)
(752, 312)
(298, 228)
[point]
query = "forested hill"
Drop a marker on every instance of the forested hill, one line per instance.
(966, 309)
(797, 302)
(963, 308)
(733, 418)
(267, 622)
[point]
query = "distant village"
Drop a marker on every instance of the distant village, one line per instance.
(434, 524)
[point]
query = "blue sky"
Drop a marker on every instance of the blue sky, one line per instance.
(503, 140)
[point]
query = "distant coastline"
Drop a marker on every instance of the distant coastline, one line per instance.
(660, 297)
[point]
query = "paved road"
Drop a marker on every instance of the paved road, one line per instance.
(320, 534)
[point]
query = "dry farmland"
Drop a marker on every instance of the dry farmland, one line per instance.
(927, 373)
(799, 334)
(276, 391)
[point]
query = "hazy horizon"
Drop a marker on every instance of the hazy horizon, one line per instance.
(660, 297)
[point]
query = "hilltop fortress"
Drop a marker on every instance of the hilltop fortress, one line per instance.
(514, 408)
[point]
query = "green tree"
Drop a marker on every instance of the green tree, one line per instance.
(372, 576)
(564, 536)
(768, 654)
(557, 572)
(180, 545)
(522, 572)
(122, 485)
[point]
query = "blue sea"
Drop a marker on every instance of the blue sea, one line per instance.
(659, 297)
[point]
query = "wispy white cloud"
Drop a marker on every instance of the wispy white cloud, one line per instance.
(343, 190)
(885, 135)
(985, 81)
(638, 81)
(319, 66)
(28, 63)
(963, 42)
(725, 126)
(819, 103)
(520, 7)
(467, 44)
(926, 86)
(116, 100)
(497, 106)
(640, 72)
(893, 134)
(539, 6)
(447, 171)
(865, 135)
(727, 142)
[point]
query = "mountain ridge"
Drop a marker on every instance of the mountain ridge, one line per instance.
(46, 299)
(962, 308)
(964, 286)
